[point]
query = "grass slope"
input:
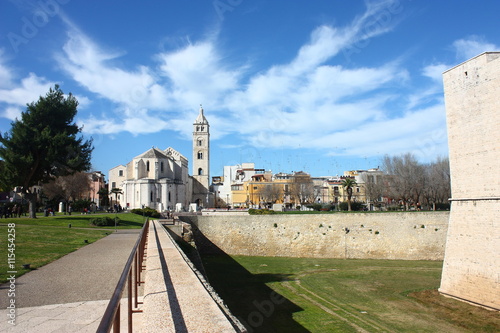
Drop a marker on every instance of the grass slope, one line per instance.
(271, 294)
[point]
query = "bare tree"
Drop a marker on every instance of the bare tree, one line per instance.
(67, 188)
(411, 182)
(406, 180)
(437, 189)
(302, 188)
(271, 193)
(374, 187)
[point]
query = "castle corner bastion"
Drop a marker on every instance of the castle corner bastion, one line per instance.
(471, 269)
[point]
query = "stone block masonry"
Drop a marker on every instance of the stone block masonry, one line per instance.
(471, 269)
(405, 235)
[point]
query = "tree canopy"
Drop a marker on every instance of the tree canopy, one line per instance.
(348, 183)
(43, 144)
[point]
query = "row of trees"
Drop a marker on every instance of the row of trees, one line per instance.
(404, 180)
(411, 182)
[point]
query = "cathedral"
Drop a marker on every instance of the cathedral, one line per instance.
(159, 179)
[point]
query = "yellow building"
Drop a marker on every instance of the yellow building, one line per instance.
(264, 189)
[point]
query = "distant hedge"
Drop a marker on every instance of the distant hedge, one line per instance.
(104, 221)
(146, 212)
(261, 212)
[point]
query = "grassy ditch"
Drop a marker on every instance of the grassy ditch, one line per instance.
(271, 294)
(45, 239)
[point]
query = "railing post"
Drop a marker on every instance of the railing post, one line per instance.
(116, 322)
(130, 301)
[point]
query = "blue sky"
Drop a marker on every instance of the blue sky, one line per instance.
(319, 86)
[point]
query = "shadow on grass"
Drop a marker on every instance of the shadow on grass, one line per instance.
(258, 307)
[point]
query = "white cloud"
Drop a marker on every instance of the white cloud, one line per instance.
(472, 46)
(29, 90)
(92, 68)
(435, 71)
(140, 123)
(197, 68)
(311, 101)
(12, 113)
(5, 73)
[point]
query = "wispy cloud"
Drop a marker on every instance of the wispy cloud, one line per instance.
(310, 101)
(5, 72)
(93, 68)
(472, 46)
(316, 100)
(15, 93)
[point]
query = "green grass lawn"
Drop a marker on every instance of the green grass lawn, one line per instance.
(270, 294)
(45, 239)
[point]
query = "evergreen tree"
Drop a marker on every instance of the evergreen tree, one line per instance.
(43, 145)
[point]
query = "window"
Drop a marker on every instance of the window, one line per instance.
(357, 189)
(200, 142)
(161, 167)
(169, 197)
(113, 185)
(200, 172)
(151, 196)
(147, 166)
(120, 173)
(200, 155)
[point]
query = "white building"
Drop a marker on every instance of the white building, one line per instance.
(233, 175)
(156, 179)
(159, 179)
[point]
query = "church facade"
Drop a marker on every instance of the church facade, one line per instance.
(159, 179)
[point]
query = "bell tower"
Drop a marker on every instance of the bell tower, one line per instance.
(201, 159)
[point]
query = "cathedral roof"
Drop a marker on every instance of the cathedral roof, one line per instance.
(201, 117)
(153, 153)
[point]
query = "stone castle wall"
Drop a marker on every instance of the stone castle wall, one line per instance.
(409, 235)
(471, 269)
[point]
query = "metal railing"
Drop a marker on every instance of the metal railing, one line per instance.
(131, 276)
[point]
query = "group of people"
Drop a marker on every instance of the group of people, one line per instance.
(8, 211)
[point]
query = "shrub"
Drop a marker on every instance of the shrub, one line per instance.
(355, 206)
(315, 206)
(80, 205)
(104, 221)
(442, 206)
(146, 212)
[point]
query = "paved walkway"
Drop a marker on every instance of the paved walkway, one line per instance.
(175, 299)
(71, 293)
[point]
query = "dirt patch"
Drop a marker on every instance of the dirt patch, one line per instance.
(467, 316)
